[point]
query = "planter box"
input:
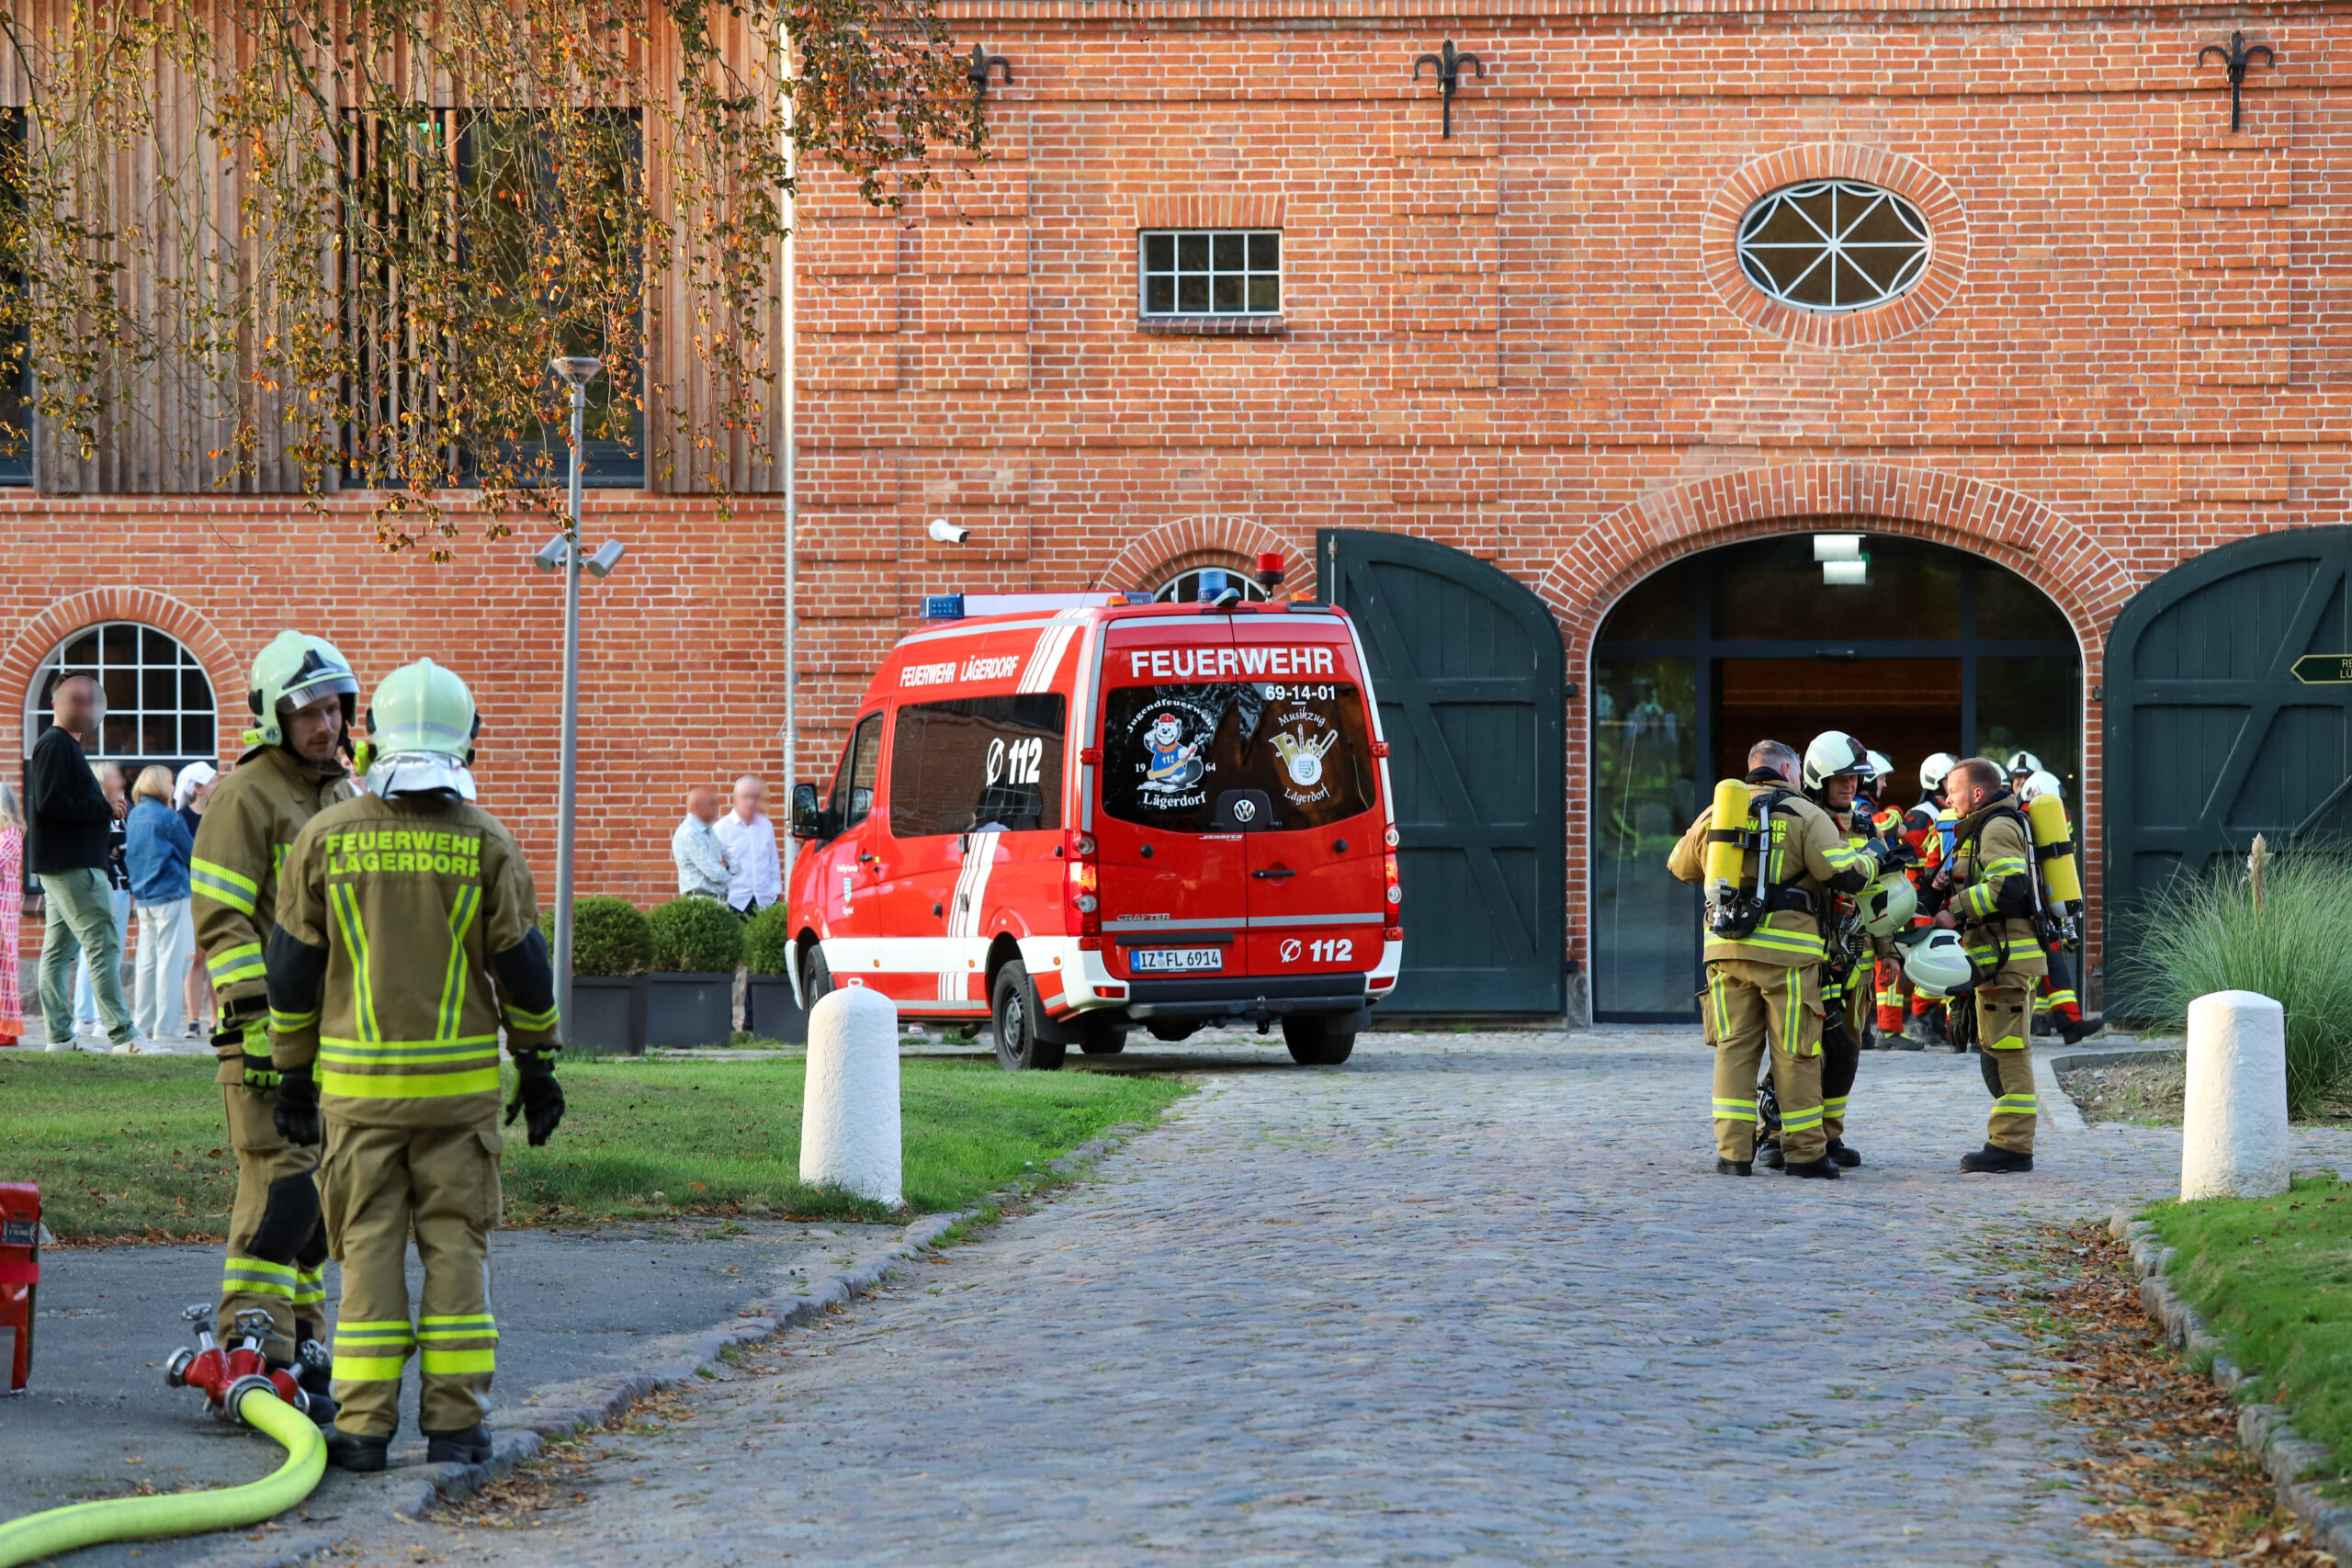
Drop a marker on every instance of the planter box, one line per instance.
(607, 1015)
(689, 1009)
(770, 1012)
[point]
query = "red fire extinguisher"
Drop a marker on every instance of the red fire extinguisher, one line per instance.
(20, 1273)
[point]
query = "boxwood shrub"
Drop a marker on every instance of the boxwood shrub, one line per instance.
(609, 937)
(696, 936)
(767, 941)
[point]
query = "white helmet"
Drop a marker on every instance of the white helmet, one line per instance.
(2024, 762)
(2041, 783)
(1833, 752)
(1936, 964)
(1888, 904)
(1882, 766)
(1932, 770)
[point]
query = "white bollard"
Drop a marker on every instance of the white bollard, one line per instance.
(2233, 1134)
(849, 1111)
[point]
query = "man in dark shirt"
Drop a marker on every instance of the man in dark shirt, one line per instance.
(70, 816)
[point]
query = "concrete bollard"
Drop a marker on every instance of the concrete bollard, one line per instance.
(2235, 1141)
(849, 1111)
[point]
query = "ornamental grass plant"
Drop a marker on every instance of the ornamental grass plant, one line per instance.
(2205, 934)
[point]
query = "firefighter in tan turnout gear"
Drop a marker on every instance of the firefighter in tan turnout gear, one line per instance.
(406, 939)
(1987, 891)
(301, 695)
(1764, 952)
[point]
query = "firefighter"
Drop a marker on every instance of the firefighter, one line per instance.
(406, 940)
(1987, 891)
(301, 696)
(1763, 954)
(1886, 1001)
(1928, 828)
(2059, 997)
(1836, 767)
(2022, 766)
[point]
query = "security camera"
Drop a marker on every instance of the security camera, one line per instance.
(948, 532)
(550, 555)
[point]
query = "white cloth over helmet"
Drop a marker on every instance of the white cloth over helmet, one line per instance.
(418, 773)
(193, 777)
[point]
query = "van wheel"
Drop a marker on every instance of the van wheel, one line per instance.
(816, 975)
(1013, 1013)
(1103, 1039)
(1314, 1043)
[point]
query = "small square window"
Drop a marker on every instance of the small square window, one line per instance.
(1204, 272)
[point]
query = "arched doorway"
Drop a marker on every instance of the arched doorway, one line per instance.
(1932, 650)
(2211, 735)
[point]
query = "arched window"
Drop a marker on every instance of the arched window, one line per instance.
(158, 700)
(1184, 588)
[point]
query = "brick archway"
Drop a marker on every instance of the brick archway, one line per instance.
(65, 617)
(1172, 547)
(2086, 580)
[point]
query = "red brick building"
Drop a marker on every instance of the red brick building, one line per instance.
(2084, 332)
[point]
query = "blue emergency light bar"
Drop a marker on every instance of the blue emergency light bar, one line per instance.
(955, 606)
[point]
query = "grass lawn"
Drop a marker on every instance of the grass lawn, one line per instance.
(132, 1148)
(2273, 1277)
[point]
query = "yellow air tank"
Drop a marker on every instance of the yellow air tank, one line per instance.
(1724, 855)
(2048, 816)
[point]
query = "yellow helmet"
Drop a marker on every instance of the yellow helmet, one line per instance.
(294, 671)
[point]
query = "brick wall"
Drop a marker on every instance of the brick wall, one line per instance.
(1527, 342)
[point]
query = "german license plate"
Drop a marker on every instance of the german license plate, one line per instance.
(1174, 960)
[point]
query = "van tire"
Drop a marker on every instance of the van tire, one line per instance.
(816, 975)
(1013, 1012)
(1314, 1043)
(1102, 1039)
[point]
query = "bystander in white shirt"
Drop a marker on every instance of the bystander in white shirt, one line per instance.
(750, 841)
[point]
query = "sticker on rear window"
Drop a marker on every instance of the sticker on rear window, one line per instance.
(1170, 751)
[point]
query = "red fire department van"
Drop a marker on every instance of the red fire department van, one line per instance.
(1072, 815)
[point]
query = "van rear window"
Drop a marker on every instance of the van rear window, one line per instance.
(978, 765)
(1168, 752)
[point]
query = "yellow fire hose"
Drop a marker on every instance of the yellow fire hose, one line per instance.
(36, 1536)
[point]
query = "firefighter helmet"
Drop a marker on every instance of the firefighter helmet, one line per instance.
(1833, 754)
(1882, 766)
(292, 672)
(2024, 762)
(1937, 964)
(421, 729)
(2040, 785)
(1932, 770)
(1888, 904)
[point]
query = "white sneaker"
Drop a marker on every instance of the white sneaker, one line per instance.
(137, 1045)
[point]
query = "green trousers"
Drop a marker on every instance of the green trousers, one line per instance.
(80, 917)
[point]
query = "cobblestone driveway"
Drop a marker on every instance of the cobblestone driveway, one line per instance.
(1469, 1299)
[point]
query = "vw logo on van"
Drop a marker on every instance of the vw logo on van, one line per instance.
(1245, 810)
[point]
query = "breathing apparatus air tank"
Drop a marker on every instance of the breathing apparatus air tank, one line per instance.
(2053, 845)
(1724, 853)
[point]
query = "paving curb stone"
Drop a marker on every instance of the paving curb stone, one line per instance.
(753, 1322)
(2263, 1428)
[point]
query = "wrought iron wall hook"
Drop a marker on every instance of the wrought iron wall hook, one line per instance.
(2237, 57)
(1449, 75)
(982, 63)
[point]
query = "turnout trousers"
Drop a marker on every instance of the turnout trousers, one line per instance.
(288, 1284)
(1752, 1009)
(379, 1185)
(2057, 988)
(2003, 1007)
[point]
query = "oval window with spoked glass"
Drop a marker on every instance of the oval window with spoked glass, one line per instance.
(1833, 245)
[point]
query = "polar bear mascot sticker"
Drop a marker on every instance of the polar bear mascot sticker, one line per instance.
(1175, 762)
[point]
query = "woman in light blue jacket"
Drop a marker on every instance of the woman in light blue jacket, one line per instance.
(155, 850)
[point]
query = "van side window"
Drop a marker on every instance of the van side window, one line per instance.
(978, 765)
(852, 797)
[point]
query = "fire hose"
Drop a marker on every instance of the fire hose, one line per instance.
(239, 1385)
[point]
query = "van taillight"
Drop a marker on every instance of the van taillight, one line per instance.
(1392, 933)
(1080, 889)
(1388, 870)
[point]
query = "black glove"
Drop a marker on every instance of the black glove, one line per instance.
(297, 1109)
(1894, 855)
(538, 1097)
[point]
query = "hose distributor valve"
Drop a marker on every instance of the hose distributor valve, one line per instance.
(226, 1375)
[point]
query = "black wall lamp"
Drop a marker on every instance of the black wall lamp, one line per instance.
(1449, 75)
(982, 64)
(2237, 57)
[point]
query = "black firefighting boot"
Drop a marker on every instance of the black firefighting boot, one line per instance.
(1842, 1154)
(1733, 1166)
(1907, 1041)
(1769, 1156)
(469, 1446)
(364, 1456)
(1822, 1169)
(1997, 1161)
(2076, 1031)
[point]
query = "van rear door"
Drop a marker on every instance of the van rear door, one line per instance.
(1174, 878)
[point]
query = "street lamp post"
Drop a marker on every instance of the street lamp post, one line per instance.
(562, 554)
